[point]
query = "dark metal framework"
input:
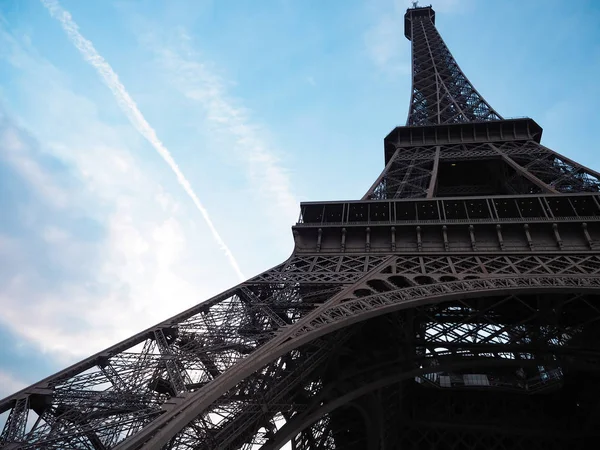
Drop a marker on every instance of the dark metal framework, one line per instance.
(456, 306)
(441, 93)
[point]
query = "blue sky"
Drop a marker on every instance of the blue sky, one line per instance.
(260, 104)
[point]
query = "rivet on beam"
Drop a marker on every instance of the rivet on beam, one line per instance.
(319, 238)
(500, 238)
(557, 235)
(587, 235)
(528, 236)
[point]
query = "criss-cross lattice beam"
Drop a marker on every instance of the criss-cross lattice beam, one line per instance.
(125, 389)
(527, 168)
(328, 342)
(493, 350)
(441, 93)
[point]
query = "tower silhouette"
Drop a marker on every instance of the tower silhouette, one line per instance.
(455, 306)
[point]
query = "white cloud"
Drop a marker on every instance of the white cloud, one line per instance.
(55, 235)
(194, 79)
(70, 293)
(135, 116)
(11, 150)
(141, 274)
(73, 294)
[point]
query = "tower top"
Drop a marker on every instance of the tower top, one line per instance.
(417, 11)
(441, 93)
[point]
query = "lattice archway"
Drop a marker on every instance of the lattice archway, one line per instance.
(539, 393)
(344, 310)
(348, 309)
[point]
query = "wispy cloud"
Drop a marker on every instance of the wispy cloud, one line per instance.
(193, 77)
(12, 152)
(133, 113)
(92, 247)
(72, 293)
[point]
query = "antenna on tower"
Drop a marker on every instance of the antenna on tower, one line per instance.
(415, 3)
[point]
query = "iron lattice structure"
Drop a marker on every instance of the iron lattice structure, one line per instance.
(456, 306)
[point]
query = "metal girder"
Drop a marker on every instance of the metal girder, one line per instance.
(375, 378)
(138, 398)
(521, 170)
(14, 428)
(434, 173)
(414, 172)
(441, 93)
(338, 313)
(470, 265)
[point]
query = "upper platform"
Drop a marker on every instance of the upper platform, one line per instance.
(460, 133)
(426, 11)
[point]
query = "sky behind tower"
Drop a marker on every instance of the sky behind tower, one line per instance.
(152, 151)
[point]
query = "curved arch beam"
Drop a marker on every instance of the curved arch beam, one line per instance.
(337, 313)
(348, 312)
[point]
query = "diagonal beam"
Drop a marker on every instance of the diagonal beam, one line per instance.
(434, 173)
(524, 172)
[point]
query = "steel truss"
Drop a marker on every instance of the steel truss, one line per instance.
(515, 167)
(441, 93)
(117, 394)
(456, 306)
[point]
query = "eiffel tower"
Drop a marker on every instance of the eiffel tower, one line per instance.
(455, 306)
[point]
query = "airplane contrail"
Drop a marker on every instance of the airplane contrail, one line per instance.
(129, 107)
